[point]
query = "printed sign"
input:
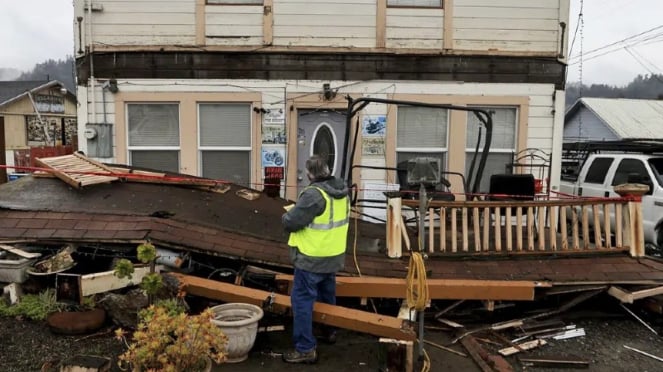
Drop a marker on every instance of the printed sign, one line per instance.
(274, 172)
(273, 157)
(372, 146)
(374, 125)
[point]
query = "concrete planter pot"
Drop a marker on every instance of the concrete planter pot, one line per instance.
(239, 322)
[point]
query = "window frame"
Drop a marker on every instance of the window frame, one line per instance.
(200, 148)
(177, 148)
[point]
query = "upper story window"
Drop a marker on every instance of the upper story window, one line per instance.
(234, 2)
(415, 3)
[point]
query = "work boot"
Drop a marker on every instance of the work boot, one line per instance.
(294, 356)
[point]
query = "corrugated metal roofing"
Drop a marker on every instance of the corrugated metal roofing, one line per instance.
(629, 118)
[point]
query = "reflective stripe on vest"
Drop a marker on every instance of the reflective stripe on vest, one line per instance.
(326, 235)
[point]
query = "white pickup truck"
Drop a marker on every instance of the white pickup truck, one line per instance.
(601, 172)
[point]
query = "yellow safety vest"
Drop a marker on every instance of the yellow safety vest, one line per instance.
(327, 235)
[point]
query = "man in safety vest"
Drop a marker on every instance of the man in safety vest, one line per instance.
(318, 227)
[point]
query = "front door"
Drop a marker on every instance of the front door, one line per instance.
(319, 132)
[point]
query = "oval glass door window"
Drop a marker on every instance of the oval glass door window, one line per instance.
(325, 145)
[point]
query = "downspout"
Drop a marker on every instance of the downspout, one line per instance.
(91, 51)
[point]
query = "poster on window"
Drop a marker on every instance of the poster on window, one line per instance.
(372, 146)
(374, 125)
(273, 134)
(273, 156)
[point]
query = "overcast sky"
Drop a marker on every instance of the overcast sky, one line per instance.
(32, 31)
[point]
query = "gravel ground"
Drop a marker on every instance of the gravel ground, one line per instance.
(27, 346)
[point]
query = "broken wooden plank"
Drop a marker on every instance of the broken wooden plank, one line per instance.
(520, 347)
(644, 353)
(571, 333)
(74, 287)
(629, 297)
(431, 343)
(546, 362)
(337, 316)
(638, 319)
(485, 361)
(248, 194)
(19, 252)
(439, 289)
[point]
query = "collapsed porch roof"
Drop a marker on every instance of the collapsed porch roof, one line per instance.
(42, 209)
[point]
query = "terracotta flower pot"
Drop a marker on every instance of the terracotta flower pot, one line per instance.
(76, 322)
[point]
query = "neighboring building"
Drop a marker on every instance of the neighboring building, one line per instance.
(612, 119)
(36, 114)
(242, 90)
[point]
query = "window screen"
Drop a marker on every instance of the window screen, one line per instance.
(421, 127)
(153, 124)
(162, 160)
(597, 170)
(154, 135)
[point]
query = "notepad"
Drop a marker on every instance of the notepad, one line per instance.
(288, 207)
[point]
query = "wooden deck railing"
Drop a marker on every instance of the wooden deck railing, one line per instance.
(508, 227)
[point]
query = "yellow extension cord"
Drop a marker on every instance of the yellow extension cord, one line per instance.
(417, 285)
(417, 294)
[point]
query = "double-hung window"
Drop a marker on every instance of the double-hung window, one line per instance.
(421, 132)
(154, 135)
(502, 145)
(225, 141)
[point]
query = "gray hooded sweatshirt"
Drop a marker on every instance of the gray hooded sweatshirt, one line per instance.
(310, 204)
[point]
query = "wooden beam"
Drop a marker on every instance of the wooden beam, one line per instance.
(628, 297)
(439, 289)
(337, 316)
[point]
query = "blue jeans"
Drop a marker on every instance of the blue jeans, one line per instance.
(307, 288)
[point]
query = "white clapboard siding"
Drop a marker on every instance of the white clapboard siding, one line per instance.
(340, 23)
(234, 25)
(145, 22)
(507, 25)
(414, 28)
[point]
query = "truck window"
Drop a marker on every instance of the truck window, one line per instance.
(631, 171)
(657, 166)
(597, 171)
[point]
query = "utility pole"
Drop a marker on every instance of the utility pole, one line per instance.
(3, 158)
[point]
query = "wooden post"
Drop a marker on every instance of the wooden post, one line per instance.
(394, 227)
(3, 159)
(635, 228)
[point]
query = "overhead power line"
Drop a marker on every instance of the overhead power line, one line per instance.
(632, 39)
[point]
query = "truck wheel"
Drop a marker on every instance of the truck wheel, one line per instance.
(656, 249)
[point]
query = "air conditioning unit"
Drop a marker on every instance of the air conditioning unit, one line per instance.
(420, 170)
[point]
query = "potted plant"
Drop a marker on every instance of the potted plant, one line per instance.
(170, 340)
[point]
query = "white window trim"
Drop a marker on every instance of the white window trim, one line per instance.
(336, 143)
(177, 148)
